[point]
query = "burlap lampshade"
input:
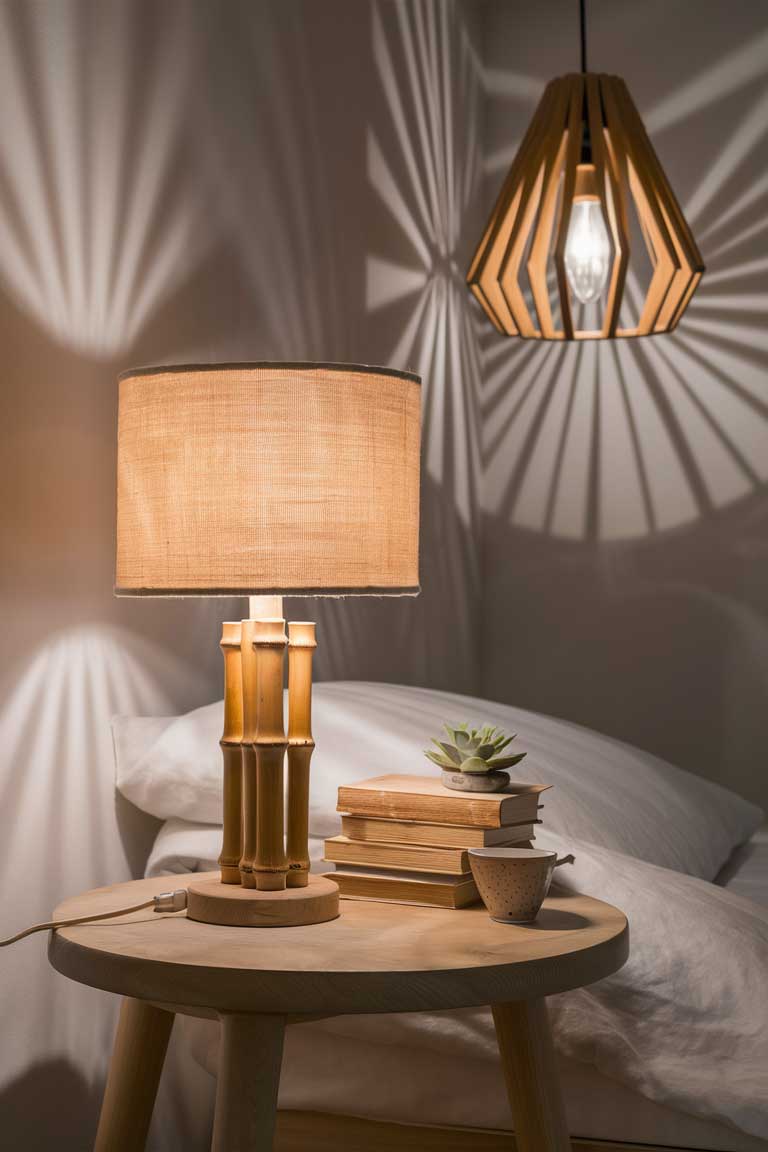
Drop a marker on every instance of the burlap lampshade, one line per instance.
(297, 479)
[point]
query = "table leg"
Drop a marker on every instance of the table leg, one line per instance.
(249, 1077)
(138, 1054)
(530, 1070)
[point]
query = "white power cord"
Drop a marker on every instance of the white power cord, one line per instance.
(175, 901)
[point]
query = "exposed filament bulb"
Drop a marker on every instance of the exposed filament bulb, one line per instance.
(587, 247)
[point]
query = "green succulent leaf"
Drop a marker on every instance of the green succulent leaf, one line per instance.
(450, 751)
(454, 731)
(436, 758)
(485, 751)
(475, 765)
(505, 761)
(477, 750)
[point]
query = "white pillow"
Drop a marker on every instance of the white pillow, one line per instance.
(604, 791)
(182, 846)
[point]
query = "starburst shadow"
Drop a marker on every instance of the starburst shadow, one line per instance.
(66, 834)
(423, 161)
(98, 224)
(625, 482)
(629, 439)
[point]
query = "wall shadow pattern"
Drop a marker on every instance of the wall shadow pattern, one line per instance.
(625, 482)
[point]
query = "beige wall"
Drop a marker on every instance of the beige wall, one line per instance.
(625, 558)
(304, 179)
(199, 181)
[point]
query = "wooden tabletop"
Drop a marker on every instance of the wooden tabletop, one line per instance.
(375, 957)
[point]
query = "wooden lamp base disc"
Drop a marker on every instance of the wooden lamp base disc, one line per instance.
(212, 902)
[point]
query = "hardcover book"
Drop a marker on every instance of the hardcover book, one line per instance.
(434, 835)
(415, 858)
(430, 889)
(424, 798)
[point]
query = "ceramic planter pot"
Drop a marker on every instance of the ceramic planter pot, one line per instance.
(475, 781)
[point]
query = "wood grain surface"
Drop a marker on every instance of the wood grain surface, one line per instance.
(373, 958)
(247, 1083)
(528, 1058)
(138, 1054)
(239, 907)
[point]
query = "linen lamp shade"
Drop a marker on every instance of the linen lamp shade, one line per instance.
(259, 479)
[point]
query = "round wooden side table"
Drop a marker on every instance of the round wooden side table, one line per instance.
(374, 958)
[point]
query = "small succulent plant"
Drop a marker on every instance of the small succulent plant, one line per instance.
(473, 750)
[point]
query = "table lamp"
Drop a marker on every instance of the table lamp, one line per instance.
(267, 480)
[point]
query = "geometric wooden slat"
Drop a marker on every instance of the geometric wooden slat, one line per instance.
(538, 259)
(660, 247)
(690, 265)
(484, 271)
(533, 211)
(574, 129)
(615, 205)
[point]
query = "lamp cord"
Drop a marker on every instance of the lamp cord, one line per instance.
(164, 902)
(583, 23)
(52, 924)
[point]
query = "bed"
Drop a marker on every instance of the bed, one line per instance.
(670, 1052)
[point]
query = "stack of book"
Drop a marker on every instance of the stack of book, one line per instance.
(406, 838)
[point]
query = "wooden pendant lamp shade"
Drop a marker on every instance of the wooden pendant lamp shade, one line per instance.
(519, 274)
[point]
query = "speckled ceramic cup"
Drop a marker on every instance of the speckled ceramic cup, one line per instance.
(513, 882)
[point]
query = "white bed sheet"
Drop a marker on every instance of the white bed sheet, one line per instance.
(383, 1081)
(442, 1067)
(746, 873)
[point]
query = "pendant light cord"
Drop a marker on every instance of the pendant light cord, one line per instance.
(586, 142)
(583, 16)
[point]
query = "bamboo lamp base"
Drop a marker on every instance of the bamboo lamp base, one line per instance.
(211, 902)
(230, 875)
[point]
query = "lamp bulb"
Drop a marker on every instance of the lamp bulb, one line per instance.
(587, 250)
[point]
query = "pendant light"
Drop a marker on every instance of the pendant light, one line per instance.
(586, 240)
